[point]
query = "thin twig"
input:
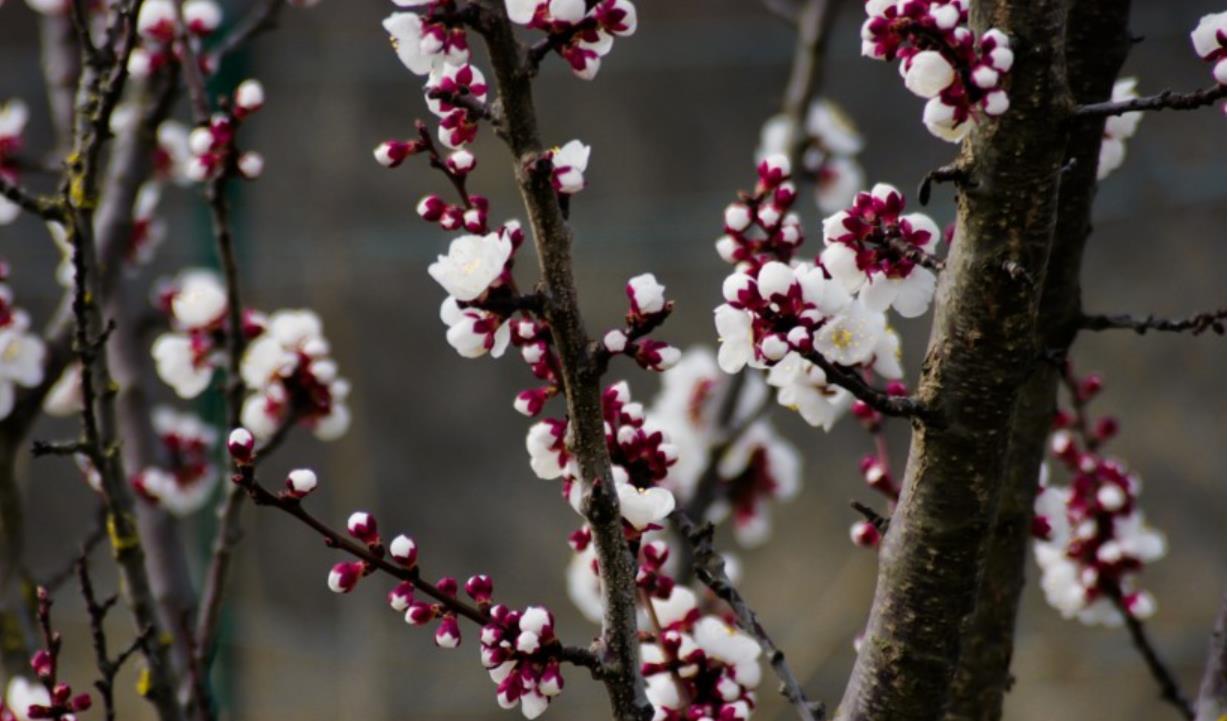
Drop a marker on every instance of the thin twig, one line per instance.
(1165, 100)
(710, 569)
(955, 173)
(261, 19)
(108, 667)
(1195, 325)
(45, 207)
(1171, 691)
(889, 405)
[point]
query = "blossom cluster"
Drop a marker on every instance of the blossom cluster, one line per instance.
(641, 454)
(1209, 41)
(754, 469)
(213, 145)
(941, 60)
(1117, 129)
(780, 312)
(13, 117)
(183, 485)
(1091, 538)
(829, 144)
(518, 648)
(159, 27)
(581, 33)
(21, 351)
(286, 366)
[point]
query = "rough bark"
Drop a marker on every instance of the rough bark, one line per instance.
(981, 353)
(581, 375)
(1097, 42)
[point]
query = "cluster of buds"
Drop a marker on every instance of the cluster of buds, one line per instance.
(698, 666)
(647, 310)
(1209, 41)
(517, 650)
(641, 454)
(213, 145)
(880, 254)
(941, 60)
(158, 25)
(13, 117)
(829, 144)
(186, 356)
(183, 485)
(477, 274)
(21, 351)
(779, 311)
(581, 33)
(426, 40)
(446, 86)
(46, 697)
(1091, 539)
(292, 377)
(1117, 129)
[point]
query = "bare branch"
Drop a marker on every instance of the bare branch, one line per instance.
(954, 173)
(889, 405)
(1210, 706)
(1165, 100)
(710, 569)
(1171, 691)
(1195, 325)
(260, 19)
(45, 207)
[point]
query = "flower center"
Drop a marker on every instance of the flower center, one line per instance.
(842, 338)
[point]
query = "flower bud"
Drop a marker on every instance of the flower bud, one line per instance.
(241, 444)
(300, 482)
(404, 551)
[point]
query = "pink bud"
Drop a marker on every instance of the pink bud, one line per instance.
(447, 586)
(896, 388)
(240, 444)
(1106, 428)
(419, 613)
(431, 208)
(864, 534)
(530, 402)
(404, 551)
(401, 596)
(362, 525)
(1090, 386)
(300, 482)
(344, 576)
(480, 588)
(249, 97)
(392, 153)
(42, 663)
(448, 633)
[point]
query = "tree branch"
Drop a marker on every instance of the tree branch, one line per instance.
(1210, 706)
(1195, 325)
(889, 405)
(710, 569)
(581, 382)
(1165, 100)
(1171, 691)
(43, 206)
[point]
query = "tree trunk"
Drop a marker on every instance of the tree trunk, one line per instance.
(1097, 43)
(982, 353)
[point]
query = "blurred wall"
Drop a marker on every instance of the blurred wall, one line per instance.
(436, 449)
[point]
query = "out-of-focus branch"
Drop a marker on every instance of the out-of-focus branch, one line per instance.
(813, 20)
(1210, 706)
(259, 19)
(43, 206)
(101, 88)
(710, 569)
(580, 375)
(61, 60)
(1165, 100)
(1171, 690)
(1195, 325)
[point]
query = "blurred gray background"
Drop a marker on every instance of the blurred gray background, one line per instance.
(437, 450)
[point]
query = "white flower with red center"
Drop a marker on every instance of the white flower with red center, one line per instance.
(290, 373)
(583, 36)
(202, 17)
(13, 117)
(21, 694)
(424, 42)
(568, 165)
(643, 508)
(64, 398)
(473, 264)
(1209, 41)
(474, 332)
(186, 357)
(802, 386)
(583, 580)
(941, 60)
(184, 484)
(445, 86)
(879, 253)
(1091, 539)
(156, 21)
(758, 467)
(829, 145)
(1117, 129)
(147, 230)
(22, 353)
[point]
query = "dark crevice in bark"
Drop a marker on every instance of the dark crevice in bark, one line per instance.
(1097, 43)
(984, 325)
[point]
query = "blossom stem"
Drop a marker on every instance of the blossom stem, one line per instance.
(1195, 325)
(1171, 691)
